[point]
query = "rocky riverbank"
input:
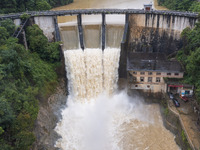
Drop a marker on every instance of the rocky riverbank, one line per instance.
(48, 116)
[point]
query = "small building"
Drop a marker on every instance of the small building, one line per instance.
(148, 7)
(147, 71)
(178, 86)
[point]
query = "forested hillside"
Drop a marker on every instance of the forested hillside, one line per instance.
(26, 76)
(13, 6)
(182, 5)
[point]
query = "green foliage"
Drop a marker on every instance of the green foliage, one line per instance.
(25, 76)
(24, 140)
(13, 6)
(182, 5)
(39, 43)
(43, 5)
(25, 16)
(6, 113)
(3, 35)
(166, 111)
(1, 131)
(7, 6)
(183, 136)
(195, 7)
(189, 56)
(9, 25)
(4, 145)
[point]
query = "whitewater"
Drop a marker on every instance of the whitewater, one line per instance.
(98, 116)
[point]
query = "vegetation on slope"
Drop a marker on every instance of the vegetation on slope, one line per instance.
(13, 6)
(181, 5)
(189, 56)
(26, 76)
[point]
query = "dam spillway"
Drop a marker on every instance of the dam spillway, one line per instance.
(97, 115)
(96, 120)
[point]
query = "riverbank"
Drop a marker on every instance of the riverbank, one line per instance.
(48, 116)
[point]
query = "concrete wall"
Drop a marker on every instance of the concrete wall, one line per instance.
(47, 24)
(157, 32)
(17, 22)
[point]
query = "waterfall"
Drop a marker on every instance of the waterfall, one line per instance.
(98, 118)
(90, 71)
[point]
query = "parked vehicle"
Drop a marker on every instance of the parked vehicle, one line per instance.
(184, 98)
(171, 96)
(176, 103)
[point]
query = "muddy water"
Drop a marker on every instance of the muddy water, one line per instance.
(89, 4)
(129, 125)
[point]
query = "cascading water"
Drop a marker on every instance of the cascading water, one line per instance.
(97, 118)
(90, 71)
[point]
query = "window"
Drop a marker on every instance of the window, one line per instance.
(150, 73)
(157, 79)
(134, 72)
(158, 73)
(176, 74)
(149, 79)
(148, 86)
(169, 74)
(141, 79)
(136, 85)
(134, 79)
(142, 73)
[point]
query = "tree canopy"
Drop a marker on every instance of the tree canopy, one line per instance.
(189, 56)
(25, 75)
(13, 6)
(182, 5)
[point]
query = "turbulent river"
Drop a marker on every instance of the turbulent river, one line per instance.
(98, 116)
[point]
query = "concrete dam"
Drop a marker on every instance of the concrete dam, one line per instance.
(142, 31)
(145, 31)
(97, 115)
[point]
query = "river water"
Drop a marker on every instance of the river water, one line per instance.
(89, 4)
(98, 116)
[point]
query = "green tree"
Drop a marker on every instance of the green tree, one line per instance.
(195, 7)
(183, 5)
(38, 42)
(25, 76)
(189, 56)
(42, 5)
(3, 35)
(8, 6)
(9, 25)
(6, 113)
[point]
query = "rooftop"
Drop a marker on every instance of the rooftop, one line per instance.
(152, 62)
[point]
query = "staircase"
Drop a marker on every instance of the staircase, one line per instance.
(20, 28)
